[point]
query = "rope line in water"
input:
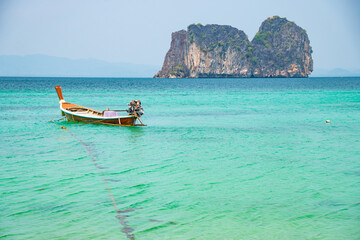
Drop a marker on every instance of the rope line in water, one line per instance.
(127, 230)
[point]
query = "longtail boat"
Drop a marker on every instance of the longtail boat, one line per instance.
(78, 113)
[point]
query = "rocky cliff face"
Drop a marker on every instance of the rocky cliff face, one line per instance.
(279, 49)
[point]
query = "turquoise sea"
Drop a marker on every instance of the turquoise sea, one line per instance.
(219, 159)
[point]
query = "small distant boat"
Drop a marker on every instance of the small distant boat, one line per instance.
(78, 113)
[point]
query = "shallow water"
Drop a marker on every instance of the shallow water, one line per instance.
(219, 159)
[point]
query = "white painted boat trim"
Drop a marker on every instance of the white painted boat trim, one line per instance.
(79, 115)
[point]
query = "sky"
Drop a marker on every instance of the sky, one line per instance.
(135, 31)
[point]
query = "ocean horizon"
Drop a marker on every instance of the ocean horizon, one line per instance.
(220, 158)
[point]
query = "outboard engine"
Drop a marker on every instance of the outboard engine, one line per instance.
(135, 106)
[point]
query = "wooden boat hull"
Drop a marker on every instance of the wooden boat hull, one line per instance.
(82, 114)
(76, 113)
(128, 121)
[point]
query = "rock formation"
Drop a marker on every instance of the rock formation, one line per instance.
(279, 49)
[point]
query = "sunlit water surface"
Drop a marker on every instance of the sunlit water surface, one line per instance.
(219, 159)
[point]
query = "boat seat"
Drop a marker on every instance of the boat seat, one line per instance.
(110, 114)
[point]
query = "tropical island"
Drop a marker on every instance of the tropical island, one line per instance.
(279, 49)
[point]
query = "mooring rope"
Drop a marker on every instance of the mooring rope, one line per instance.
(126, 229)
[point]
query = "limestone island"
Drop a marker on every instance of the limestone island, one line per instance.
(279, 49)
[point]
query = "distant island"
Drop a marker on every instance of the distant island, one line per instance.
(279, 49)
